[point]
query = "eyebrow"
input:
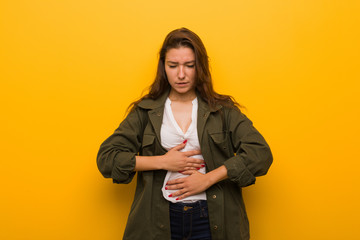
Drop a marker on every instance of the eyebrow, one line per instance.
(171, 62)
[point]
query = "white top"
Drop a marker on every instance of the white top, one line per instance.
(171, 136)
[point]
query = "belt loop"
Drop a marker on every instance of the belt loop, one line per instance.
(203, 210)
(200, 202)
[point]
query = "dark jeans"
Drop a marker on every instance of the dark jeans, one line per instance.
(189, 221)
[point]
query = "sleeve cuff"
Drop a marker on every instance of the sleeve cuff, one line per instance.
(238, 173)
(124, 173)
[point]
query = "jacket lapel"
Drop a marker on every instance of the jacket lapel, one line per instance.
(203, 114)
(156, 111)
(156, 116)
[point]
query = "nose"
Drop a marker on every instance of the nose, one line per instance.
(181, 73)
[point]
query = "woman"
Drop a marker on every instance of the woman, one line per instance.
(192, 148)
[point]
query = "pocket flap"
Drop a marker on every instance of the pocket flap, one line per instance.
(218, 137)
(148, 140)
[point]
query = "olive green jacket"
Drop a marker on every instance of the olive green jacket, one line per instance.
(227, 137)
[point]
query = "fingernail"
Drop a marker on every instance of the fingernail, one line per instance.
(180, 171)
(185, 141)
(203, 165)
(165, 188)
(198, 168)
(170, 195)
(177, 199)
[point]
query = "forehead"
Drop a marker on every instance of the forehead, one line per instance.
(180, 54)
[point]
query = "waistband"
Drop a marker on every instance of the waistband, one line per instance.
(188, 207)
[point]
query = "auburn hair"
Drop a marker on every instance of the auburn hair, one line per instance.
(184, 37)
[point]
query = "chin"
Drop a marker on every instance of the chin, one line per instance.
(182, 91)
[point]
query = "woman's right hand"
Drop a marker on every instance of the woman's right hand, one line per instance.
(174, 160)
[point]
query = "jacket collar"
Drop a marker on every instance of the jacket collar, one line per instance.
(151, 104)
(205, 106)
(156, 111)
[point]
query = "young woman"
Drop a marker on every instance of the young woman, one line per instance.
(192, 148)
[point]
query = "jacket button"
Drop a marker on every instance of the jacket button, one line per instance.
(215, 227)
(161, 226)
(214, 196)
(158, 114)
(224, 147)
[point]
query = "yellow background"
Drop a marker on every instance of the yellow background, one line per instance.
(70, 68)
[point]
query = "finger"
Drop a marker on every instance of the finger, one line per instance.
(192, 153)
(179, 147)
(196, 160)
(192, 166)
(188, 172)
(183, 196)
(175, 181)
(178, 193)
(173, 187)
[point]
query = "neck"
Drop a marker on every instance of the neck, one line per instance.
(185, 97)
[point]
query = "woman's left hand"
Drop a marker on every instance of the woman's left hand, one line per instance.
(195, 183)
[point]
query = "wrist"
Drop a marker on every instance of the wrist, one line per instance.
(209, 180)
(216, 175)
(161, 163)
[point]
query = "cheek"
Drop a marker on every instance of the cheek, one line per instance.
(192, 73)
(168, 73)
(170, 76)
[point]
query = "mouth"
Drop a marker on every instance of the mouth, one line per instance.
(182, 83)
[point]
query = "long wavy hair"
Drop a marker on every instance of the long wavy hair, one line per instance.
(183, 37)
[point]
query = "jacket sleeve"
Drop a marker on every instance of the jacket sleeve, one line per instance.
(253, 155)
(116, 156)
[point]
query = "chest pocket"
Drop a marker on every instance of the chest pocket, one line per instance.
(222, 143)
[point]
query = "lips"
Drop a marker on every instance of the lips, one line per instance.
(182, 83)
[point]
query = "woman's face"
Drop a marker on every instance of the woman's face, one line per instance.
(180, 71)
